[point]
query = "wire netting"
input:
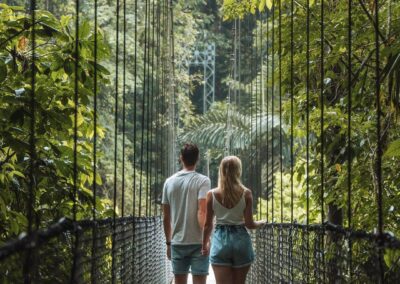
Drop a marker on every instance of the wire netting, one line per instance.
(293, 253)
(139, 253)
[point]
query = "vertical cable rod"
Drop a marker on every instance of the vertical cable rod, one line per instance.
(378, 165)
(291, 132)
(308, 138)
(123, 110)
(349, 112)
(94, 215)
(75, 147)
(268, 115)
(27, 269)
(113, 265)
(322, 122)
(272, 112)
(143, 111)
(135, 61)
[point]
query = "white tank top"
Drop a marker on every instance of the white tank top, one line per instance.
(226, 216)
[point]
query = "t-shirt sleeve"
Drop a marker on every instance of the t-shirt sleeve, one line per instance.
(164, 194)
(204, 188)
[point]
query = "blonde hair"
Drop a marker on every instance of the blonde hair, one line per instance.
(230, 171)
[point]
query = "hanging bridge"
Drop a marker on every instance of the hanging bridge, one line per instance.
(89, 132)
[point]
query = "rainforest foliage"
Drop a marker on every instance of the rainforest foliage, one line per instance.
(254, 126)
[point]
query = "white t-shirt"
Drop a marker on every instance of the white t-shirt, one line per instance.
(182, 192)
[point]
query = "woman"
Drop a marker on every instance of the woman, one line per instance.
(231, 251)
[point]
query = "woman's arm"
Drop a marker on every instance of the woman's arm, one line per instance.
(208, 224)
(248, 212)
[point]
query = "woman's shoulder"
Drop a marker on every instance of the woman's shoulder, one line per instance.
(212, 191)
(247, 192)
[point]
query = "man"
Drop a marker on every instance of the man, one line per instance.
(184, 207)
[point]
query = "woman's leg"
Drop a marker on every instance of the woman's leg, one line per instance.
(239, 274)
(223, 274)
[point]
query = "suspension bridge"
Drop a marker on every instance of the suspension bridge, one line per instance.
(89, 132)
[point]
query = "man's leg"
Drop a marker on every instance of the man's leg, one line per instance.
(199, 279)
(181, 278)
(199, 265)
(180, 263)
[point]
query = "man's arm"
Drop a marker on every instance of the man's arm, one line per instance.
(208, 225)
(167, 227)
(201, 203)
(167, 222)
(201, 212)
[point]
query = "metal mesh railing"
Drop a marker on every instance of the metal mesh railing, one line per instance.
(293, 253)
(138, 255)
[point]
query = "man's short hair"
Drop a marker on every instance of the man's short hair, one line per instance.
(190, 154)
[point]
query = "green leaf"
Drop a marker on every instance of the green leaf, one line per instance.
(269, 4)
(261, 6)
(393, 150)
(84, 30)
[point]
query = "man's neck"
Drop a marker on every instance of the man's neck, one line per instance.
(189, 169)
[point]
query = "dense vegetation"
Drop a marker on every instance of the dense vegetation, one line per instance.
(248, 117)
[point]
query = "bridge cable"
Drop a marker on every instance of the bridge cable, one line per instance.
(27, 268)
(379, 153)
(307, 138)
(75, 146)
(291, 134)
(143, 111)
(322, 134)
(116, 115)
(124, 228)
(268, 115)
(349, 112)
(94, 182)
(273, 113)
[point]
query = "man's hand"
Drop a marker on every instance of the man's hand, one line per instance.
(169, 252)
(205, 249)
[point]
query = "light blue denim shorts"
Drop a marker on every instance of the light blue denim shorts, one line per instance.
(231, 246)
(185, 257)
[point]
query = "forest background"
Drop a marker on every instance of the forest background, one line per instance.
(251, 117)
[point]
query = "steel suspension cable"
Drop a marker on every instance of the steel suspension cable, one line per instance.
(75, 147)
(322, 102)
(94, 206)
(153, 164)
(273, 113)
(148, 116)
(280, 102)
(27, 268)
(378, 166)
(308, 137)
(262, 108)
(291, 131)
(135, 74)
(143, 111)
(135, 108)
(280, 130)
(349, 112)
(252, 61)
(255, 113)
(114, 233)
(267, 99)
(322, 117)
(159, 159)
(123, 110)
(124, 250)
